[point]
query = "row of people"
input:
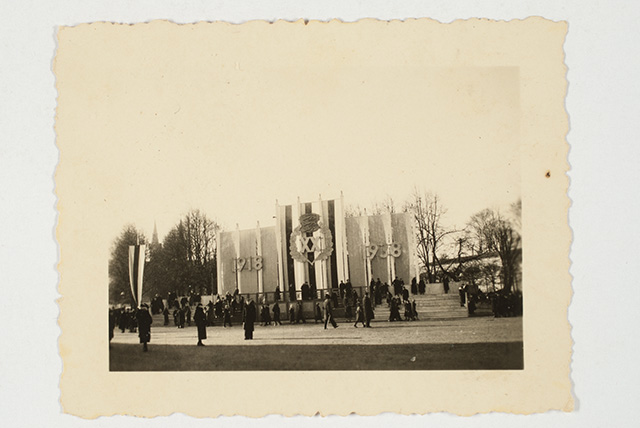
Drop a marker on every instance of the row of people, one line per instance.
(143, 320)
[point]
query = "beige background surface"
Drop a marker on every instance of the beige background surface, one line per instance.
(89, 207)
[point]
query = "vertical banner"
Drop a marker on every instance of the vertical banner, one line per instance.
(402, 249)
(136, 271)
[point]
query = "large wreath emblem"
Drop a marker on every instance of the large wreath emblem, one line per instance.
(305, 239)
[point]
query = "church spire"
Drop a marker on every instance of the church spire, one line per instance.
(154, 238)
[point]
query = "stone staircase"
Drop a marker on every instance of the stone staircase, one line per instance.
(430, 307)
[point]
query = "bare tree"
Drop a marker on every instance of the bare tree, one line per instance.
(189, 254)
(427, 211)
(354, 211)
(496, 234)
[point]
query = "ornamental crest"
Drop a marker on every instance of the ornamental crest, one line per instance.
(311, 236)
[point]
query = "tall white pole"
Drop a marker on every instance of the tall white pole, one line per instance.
(258, 252)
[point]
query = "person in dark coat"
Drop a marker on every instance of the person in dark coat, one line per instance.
(317, 312)
(414, 286)
(181, 316)
(422, 286)
(313, 291)
(276, 314)
(265, 314)
(226, 315)
(414, 311)
(249, 318)
(122, 321)
(187, 314)
(304, 290)
(300, 314)
(292, 292)
(165, 313)
(408, 316)
(368, 310)
(201, 322)
(359, 316)
(210, 314)
(144, 325)
(394, 311)
(405, 293)
(292, 314)
(462, 292)
(328, 312)
(112, 323)
(276, 294)
(445, 284)
(348, 311)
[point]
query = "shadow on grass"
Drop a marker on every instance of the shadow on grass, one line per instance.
(464, 356)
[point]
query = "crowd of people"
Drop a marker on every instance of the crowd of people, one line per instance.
(357, 305)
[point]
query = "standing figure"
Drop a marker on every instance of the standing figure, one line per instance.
(408, 316)
(201, 321)
(165, 313)
(276, 294)
(144, 325)
(187, 314)
(313, 292)
(317, 312)
(462, 291)
(348, 312)
(414, 311)
(368, 310)
(181, 316)
(267, 314)
(292, 314)
(276, 314)
(422, 286)
(394, 311)
(445, 284)
(226, 315)
(359, 316)
(405, 293)
(248, 318)
(414, 286)
(300, 314)
(328, 312)
(210, 314)
(112, 323)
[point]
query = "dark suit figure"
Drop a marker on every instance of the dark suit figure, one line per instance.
(201, 321)
(249, 318)
(368, 310)
(317, 312)
(144, 325)
(300, 314)
(276, 314)
(328, 313)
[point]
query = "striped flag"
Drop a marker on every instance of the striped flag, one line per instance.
(136, 269)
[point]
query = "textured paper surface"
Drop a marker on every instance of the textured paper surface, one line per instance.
(103, 69)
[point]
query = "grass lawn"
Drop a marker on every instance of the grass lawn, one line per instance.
(459, 356)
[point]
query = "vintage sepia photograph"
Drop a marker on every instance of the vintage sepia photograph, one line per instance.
(338, 196)
(313, 201)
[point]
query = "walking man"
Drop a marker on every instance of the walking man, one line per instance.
(328, 312)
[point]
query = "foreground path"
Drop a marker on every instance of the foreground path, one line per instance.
(464, 330)
(463, 344)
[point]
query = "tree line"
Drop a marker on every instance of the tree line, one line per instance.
(488, 249)
(184, 262)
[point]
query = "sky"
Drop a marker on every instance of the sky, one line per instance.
(189, 122)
